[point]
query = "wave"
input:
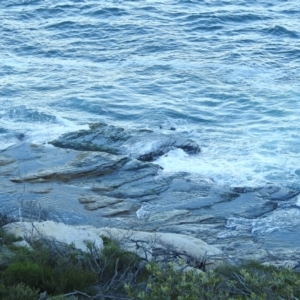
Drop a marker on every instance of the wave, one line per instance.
(281, 31)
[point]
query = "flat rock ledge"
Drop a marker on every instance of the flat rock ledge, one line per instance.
(59, 232)
(148, 245)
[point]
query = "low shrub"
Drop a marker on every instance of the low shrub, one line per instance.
(256, 281)
(167, 283)
(248, 281)
(7, 239)
(113, 259)
(61, 269)
(18, 292)
(6, 217)
(29, 273)
(56, 270)
(115, 267)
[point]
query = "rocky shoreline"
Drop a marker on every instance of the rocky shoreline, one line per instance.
(107, 177)
(150, 246)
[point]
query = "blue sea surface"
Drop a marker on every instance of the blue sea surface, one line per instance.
(224, 73)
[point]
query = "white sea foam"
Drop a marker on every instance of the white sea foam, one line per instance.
(44, 133)
(38, 133)
(145, 210)
(234, 166)
(141, 213)
(277, 220)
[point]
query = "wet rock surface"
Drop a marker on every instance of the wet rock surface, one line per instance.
(144, 145)
(97, 177)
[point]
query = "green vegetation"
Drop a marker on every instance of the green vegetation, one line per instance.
(116, 260)
(66, 273)
(248, 281)
(56, 269)
(18, 292)
(62, 270)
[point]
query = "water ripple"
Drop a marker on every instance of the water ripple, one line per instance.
(224, 72)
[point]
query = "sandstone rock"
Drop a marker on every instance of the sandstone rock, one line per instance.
(118, 209)
(5, 160)
(83, 165)
(196, 230)
(93, 203)
(45, 191)
(290, 264)
(153, 245)
(60, 232)
(168, 215)
(22, 243)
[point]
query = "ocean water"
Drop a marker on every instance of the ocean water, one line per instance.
(224, 73)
